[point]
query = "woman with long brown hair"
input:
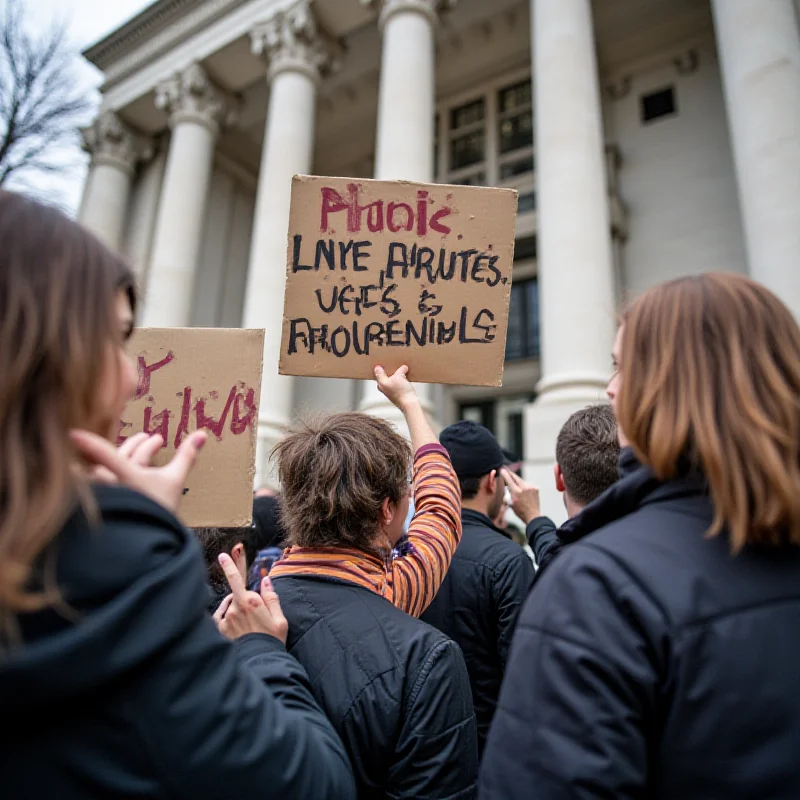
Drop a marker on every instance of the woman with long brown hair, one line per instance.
(658, 655)
(114, 682)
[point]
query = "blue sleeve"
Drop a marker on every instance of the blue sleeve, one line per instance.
(542, 536)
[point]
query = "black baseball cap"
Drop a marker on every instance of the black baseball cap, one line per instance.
(473, 449)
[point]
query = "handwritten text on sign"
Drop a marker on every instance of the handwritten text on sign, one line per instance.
(398, 273)
(201, 379)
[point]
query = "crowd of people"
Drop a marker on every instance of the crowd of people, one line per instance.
(378, 632)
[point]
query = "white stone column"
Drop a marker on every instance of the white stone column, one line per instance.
(115, 150)
(197, 109)
(406, 118)
(142, 215)
(576, 276)
(759, 50)
(297, 54)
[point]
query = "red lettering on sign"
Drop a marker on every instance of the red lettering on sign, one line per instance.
(408, 224)
(183, 422)
(156, 423)
(376, 220)
(239, 415)
(216, 426)
(121, 437)
(145, 372)
(240, 423)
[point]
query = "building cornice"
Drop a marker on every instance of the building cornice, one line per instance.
(156, 30)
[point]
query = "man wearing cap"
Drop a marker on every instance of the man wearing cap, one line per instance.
(490, 575)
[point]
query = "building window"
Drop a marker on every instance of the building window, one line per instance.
(522, 340)
(481, 413)
(527, 202)
(503, 416)
(515, 119)
(515, 421)
(658, 104)
(490, 141)
(468, 142)
(515, 132)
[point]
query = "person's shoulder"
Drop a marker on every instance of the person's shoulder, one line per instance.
(480, 536)
(128, 536)
(654, 539)
(652, 560)
(434, 662)
(121, 506)
(588, 597)
(409, 637)
(492, 548)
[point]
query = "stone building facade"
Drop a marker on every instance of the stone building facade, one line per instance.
(647, 138)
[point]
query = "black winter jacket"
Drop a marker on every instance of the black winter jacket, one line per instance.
(394, 688)
(478, 605)
(542, 536)
(547, 541)
(651, 663)
(136, 694)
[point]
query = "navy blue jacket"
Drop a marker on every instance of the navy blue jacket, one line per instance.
(395, 689)
(130, 691)
(651, 663)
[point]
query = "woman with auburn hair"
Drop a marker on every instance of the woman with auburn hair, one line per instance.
(113, 678)
(658, 655)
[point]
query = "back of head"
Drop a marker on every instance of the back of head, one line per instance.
(587, 451)
(58, 290)
(216, 541)
(335, 472)
(267, 528)
(474, 452)
(709, 380)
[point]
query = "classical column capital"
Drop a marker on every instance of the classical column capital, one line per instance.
(292, 41)
(191, 96)
(110, 141)
(429, 8)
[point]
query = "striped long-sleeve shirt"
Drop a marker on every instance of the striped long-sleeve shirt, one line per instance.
(410, 581)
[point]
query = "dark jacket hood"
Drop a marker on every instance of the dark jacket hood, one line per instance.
(144, 597)
(637, 485)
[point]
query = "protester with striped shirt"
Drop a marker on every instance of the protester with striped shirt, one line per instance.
(396, 690)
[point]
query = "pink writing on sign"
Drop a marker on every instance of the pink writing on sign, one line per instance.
(238, 415)
(381, 215)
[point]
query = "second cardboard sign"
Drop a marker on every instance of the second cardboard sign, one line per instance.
(396, 273)
(201, 379)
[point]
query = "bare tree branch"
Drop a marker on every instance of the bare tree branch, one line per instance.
(41, 104)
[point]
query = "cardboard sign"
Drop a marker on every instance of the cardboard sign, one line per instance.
(202, 378)
(397, 273)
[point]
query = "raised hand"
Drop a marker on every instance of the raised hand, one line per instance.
(140, 448)
(130, 465)
(396, 388)
(524, 497)
(243, 612)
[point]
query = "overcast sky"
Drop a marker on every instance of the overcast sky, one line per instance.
(87, 22)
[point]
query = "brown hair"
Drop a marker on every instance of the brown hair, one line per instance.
(710, 381)
(216, 541)
(335, 472)
(58, 286)
(587, 450)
